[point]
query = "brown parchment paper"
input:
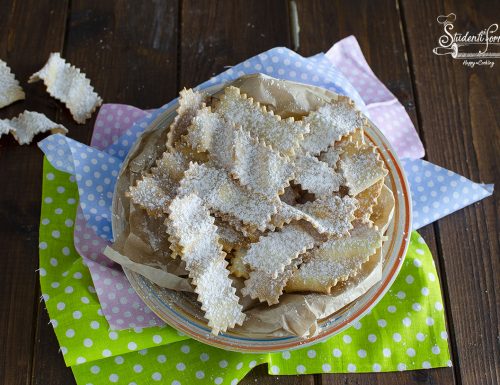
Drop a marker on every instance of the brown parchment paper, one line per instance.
(141, 243)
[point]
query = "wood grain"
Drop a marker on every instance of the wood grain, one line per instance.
(460, 122)
(25, 51)
(48, 363)
(433, 376)
(217, 34)
(133, 51)
(323, 23)
(129, 51)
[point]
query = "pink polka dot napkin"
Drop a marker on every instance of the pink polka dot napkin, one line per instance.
(384, 109)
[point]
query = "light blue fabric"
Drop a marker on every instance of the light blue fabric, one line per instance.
(437, 192)
(95, 172)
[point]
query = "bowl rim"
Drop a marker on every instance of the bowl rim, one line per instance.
(381, 287)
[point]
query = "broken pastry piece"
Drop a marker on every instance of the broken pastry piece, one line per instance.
(273, 252)
(190, 102)
(155, 190)
(266, 287)
(10, 90)
(383, 210)
(329, 123)
(210, 134)
(316, 176)
(237, 266)
(230, 237)
(361, 167)
(366, 200)
(152, 194)
(67, 84)
(28, 124)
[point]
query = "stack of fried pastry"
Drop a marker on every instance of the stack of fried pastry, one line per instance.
(287, 204)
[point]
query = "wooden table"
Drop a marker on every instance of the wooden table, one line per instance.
(143, 52)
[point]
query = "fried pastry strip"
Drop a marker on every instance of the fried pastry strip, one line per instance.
(221, 194)
(155, 190)
(191, 225)
(336, 260)
(361, 167)
(274, 251)
(264, 287)
(329, 123)
(189, 103)
(10, 90)
(367, 199)
(67, 84)
(282, 134)
(316, 176)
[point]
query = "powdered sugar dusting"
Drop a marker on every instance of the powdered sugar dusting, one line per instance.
(282, 134)
(10, 90)
(67, 84)
(152, 194)
(331, 156)
(330, 214)
(259, 167)
(329, 123)
(265, 287)
(26, 125)
(361, 167)
(276, 250)
(209, 133)
(155, 191)
(336, 260)
(192, 226)
(316, 176)
(222, 194)
(189, 103)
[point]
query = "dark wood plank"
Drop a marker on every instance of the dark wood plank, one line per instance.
(460, 122)
(432, 376)
(30, 30)
(129, 51)
(322, 23)
(215, 34)
(259, 376)
(51, 369)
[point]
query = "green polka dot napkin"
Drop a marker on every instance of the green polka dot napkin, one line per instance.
(405, 330)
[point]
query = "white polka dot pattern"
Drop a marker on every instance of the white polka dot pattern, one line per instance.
(121, 306)
(437, 192)
(95, 172)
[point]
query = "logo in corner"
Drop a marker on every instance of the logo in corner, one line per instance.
(472, 49)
